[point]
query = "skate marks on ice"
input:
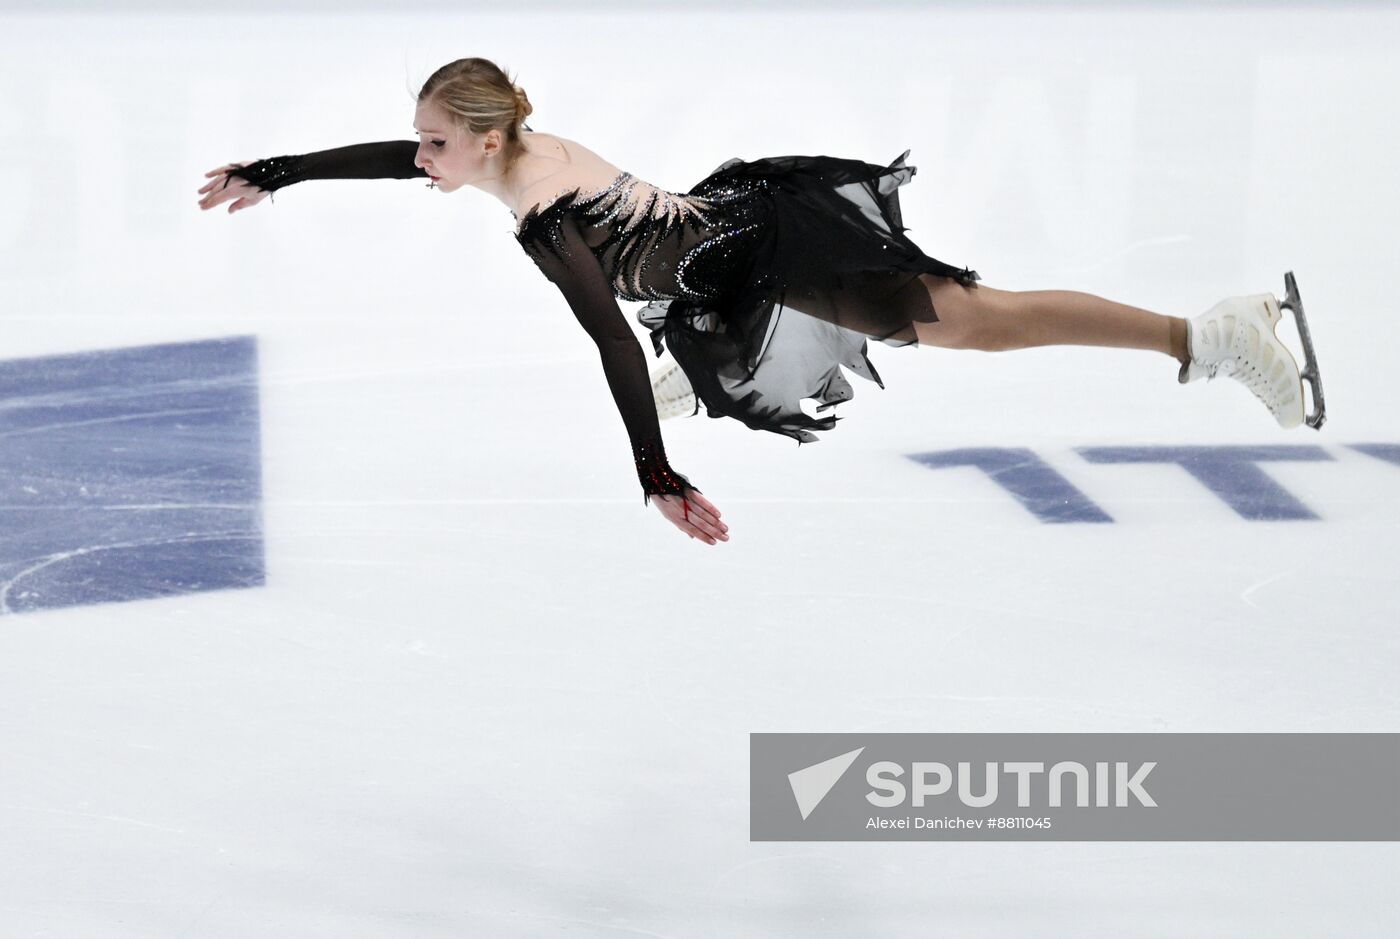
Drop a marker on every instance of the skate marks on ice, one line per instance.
(129, 474)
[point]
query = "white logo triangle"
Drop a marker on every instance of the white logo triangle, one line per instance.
(810, 785)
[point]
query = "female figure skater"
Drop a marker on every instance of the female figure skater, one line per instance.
(765, 278)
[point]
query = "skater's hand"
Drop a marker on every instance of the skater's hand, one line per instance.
(695, 515)
(225, 188)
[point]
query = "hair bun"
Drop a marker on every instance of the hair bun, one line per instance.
(478, 95)
(522, 103)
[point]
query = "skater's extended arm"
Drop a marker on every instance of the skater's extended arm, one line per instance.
(556, 245)
(558, 248)
(389, 159)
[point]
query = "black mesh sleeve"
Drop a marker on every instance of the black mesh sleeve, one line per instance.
(391, 159)
(556, 245)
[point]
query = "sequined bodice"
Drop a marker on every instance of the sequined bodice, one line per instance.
(658, 245)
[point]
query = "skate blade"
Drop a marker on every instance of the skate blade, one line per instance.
(1310, 373)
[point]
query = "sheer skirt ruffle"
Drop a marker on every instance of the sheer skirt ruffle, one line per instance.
(831, 269)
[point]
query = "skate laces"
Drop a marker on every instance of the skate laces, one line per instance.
(673, 384)
(1232, 364)
(1256, 381)
(672, 392)
(1259, 384)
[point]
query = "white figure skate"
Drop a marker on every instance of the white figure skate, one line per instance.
(672, 392)
(1237, 337)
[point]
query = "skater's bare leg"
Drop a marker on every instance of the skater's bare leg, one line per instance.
(993, 320)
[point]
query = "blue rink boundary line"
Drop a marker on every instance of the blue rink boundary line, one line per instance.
(129, 474)
(1232, 473)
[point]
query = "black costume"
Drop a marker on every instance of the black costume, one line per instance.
(722, 266)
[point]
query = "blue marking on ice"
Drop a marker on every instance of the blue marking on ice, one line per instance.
(1229, 472)
(1390, 452)
(1034, 483)
(128, 474)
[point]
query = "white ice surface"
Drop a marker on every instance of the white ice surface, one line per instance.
(485, 692)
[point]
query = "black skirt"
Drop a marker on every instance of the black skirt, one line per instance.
(828, 267)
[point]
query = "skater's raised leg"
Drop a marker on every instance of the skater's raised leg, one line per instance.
(991, 320)
(1236, 337)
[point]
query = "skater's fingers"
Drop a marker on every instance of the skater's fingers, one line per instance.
(686, 516)
(704, 522)
(695, 531)
(707, 523)
(707, 516)
(248, 200)
(225, 168)
(709, 506)
(218, 183)
(226, 187)
(221, 193)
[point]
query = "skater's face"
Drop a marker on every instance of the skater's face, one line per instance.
(452, 153)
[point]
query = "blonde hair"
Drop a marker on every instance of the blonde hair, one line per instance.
(479, 96)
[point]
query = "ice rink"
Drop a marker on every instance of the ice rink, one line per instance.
(331, 605)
